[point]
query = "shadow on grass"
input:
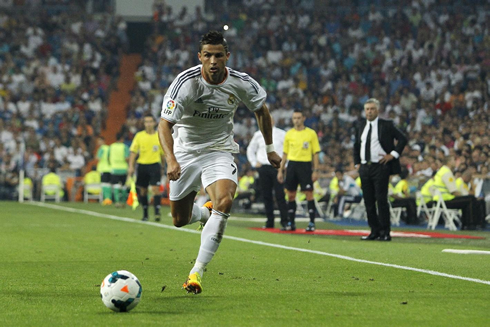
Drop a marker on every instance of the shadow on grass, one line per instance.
(176, 302)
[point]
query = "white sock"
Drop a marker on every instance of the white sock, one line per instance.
(199, 214)
(198, 267)
(211, 237)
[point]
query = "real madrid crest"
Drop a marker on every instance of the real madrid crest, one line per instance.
(232, 100)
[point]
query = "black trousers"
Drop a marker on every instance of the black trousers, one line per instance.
(472, 214)
(410, 205)
(269, 185)
(375, 178)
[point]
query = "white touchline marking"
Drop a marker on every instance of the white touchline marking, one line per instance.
(465, 251)
(284, 247)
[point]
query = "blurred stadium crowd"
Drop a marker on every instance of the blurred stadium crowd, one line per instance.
(427, 61)
(56, 72)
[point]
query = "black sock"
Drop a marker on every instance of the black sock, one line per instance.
(311, 210)
(157, 202)
(292, 211)
(143, 199)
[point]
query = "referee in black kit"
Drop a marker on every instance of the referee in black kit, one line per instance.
(376, 155)
(257, 156)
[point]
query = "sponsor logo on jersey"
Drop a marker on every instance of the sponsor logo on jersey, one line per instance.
(210, 113)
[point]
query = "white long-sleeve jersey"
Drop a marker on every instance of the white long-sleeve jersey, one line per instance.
(203, 113)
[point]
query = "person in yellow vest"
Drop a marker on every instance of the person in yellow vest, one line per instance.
(333, 190)
(401, 198)
(301, 149)
(104, 169)
(445, 182)
(426, 193)
(319, 193)
(146, 147)
(245, 189)
(28, 186)
(52, 178)
(358, 182)
(333, 187)
(92, 177)
(118, 160)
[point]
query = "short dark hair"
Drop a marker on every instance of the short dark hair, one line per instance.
(120, 135)
(404, 173)
(299, 110)
(213, 37)
(148, 114)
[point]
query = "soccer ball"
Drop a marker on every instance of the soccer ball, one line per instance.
(121, 291)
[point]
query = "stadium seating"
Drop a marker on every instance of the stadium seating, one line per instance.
(51, 192)
(92, 192)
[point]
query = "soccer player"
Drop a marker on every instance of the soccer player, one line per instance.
(118, 159)
(199, 106)
(150, 160)
(104, 168)
(301, 148)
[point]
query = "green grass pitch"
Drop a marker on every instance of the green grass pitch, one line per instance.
(52, 262)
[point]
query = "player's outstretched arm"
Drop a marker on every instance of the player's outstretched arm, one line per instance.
(167, 143)
(265, 125)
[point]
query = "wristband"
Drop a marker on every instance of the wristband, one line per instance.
(269, 148)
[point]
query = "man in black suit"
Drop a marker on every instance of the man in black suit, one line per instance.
(376, 155)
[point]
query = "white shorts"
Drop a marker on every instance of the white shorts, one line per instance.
(201, 169)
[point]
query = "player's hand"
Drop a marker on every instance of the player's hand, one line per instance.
(280, 176)
(173, 170)
(387, 158)
(314, 176)
(274, 159)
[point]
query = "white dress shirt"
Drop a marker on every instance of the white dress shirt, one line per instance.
(256, 152)
(377, 152)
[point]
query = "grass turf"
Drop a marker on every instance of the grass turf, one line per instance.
(52, 263)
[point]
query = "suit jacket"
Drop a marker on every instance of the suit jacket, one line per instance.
(387, 134)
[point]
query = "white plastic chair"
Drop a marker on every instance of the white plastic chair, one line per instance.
(28, 192)
(449, 215)
(422, 206)
(92, 196)
(357, 211)
(395, 214)
(54, 189)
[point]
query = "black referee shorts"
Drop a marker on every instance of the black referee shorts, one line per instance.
(118, 179)
(148, 175)
(298, 173)
(105, 178)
